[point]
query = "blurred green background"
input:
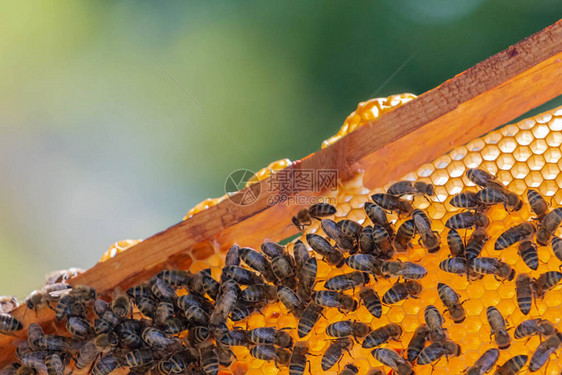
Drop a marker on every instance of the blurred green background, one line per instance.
(117, 117)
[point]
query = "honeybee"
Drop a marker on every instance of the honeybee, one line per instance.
(466, 199)
(392, 203)
(34, 332)
(284, 269)
(301, 255)
(241, 275)
(524, 291)
(35, 360)
(121, 305)
(180, 361)
(8, 304)
(393, 360)
(407, 270)
(465, 220)
(423, 226)
(268, 352)
(451, 300)
(401, 291)
(297, 365)
(548, 226)
(176, 278)
(79, 327)
(404, 235)
(307, 279)
(401, 188)
(175, 325)
(455, 243)
(62, 276)
(270, 335)
(142, 290)
(256, 261)
(456, 265)
(335, 351)
(272, 249)
(235, 337)
(9, 324)
(495, 194)
(347, 281)
(304, 217)
(164, 311)
(54, 363)
(333, 230)
(436, 350)
(538, 203)
(187, 300)
(139, 357)
(534, 327)
(529, 254)
(228, 296)
(377, 215)
(556, 245)
(83, 293)
(497, 325)
(545, 282)
(241, 311)
(45, 295)
(491, 266)
(434, 321)
(209, 358)
(330, 254)
(347, 328)
(291, 300)
(330, 298)
(485, 363)
(87, 354)
(309, 318)
(372, 301)
(512, 366)
(232, 257)
(69, 306)
(513, 235)
(381, 335)
(259, 292)
(200, 334)
(543, 352)
(366, 243)
(417, 342)
(480, 177)
(475, 244)
(349, 369)
(55, 343)
(382, 242)
(350, 228)
(363, 262)
(157, 338)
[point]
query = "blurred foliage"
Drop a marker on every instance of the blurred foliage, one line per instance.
(117, 117)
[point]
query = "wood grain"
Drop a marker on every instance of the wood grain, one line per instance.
(480, 99)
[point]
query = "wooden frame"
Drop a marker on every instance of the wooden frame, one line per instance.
(480, 99)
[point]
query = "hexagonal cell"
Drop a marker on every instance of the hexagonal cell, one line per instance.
(543, 118)
(519, 170)
(473, 307)
(456, 169)
(439, 177)
(490, 152)
(472, 160)
(555, 124)
(538, 146)
(492, 138)
(536, 162)
(505, 161)
(506, 306)
(507, 145)
(524, 137)
(475, 145)
(517, 186)
(540, 130)
(489, 166)
(548, 188)
(550, 171)
(522, 153)
(442, 162)
(505, 177)
(509, 130)
(554, 139)
(534, 179)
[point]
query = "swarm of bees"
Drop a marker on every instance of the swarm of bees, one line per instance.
(193, 323)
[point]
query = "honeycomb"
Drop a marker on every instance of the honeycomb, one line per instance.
(522, 156)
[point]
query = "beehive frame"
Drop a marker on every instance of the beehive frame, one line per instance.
(461, 109)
